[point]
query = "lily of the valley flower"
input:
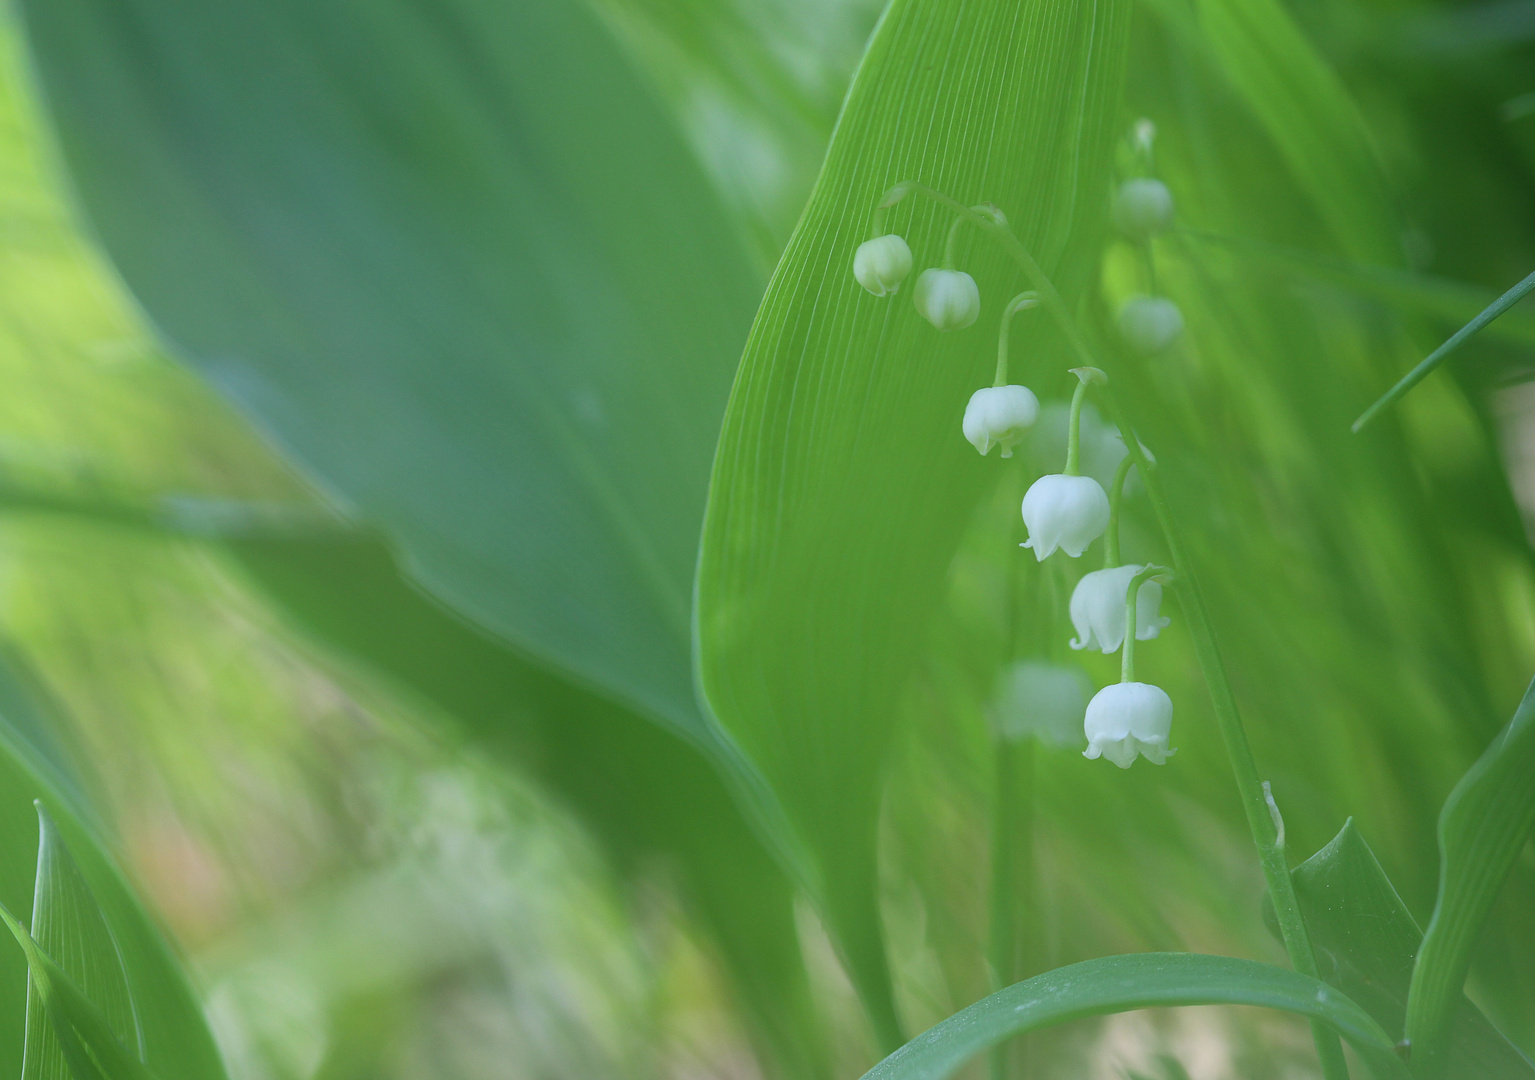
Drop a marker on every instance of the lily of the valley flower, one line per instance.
(1150, 324)
(999, 416)
(1143, 208)
(1098, 609)
(1064, 511)
(881, 264)
(1129, 719)
(949, 299)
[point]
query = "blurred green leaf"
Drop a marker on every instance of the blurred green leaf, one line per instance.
(455, 259)
(67, 924)
(644, 792)
(1365, 940)
(842, 483)
(167, 1021)
(1113, 984)
(85, 1039)
(1483, 827)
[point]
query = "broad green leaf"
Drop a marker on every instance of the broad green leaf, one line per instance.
(1113, 984)
(1365, 941)
(457, 261)
(170, 1027)
(842, 483)
(1485, 823)
(645, 793)
(85, 1038)
(67, 925)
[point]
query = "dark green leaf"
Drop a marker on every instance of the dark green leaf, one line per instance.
(842, 483)
(1113, 984)
(1365, 940)
(455, 258)
(1484, 825)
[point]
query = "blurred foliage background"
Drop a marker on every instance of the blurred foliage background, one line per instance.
(417, 853)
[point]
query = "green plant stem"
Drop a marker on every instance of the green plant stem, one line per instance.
(1074, 431)
(1271, 854)
(1012, 873)
(1021, 302)
(1116, 496)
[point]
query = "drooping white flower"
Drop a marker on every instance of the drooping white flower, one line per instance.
(1127, 719)
(1143, 208)
(1063, 511)
(1035, 698)
(949, 299)
(881, 264)
(1098, 609)
(999, 416)
(1150, 324)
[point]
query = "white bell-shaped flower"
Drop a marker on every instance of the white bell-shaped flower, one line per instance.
(999, 416)
(1098, 609)
(1127, 719)
(881, 264)
(1143, 208)
(949, 299)
(1063, 511)
(1150, 324)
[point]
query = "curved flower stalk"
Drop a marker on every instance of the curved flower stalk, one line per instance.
(1000, 414)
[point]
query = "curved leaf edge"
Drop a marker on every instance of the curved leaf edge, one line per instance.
(1114, 984)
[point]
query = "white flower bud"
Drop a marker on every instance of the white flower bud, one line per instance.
(1127, 719)
(999, 416)
(1038, 699)
(881, 264)
(948, 299)
(1143, 208)
(1150, 324)
(1098, 609)
(1063, 511)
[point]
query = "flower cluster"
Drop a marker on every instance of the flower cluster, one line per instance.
(1117, 606)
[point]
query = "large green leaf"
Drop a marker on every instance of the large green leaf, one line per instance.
(1114, 984)
(842, 484)
(68, 925)
(169, 1024)
(1365, 941)
(1483, 827)
(454, 258)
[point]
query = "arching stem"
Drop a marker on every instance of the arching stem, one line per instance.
(1116, 496)
(1022, 302)
(1127, 651)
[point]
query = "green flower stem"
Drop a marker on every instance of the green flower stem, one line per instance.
(1116, 496)
(1127, 651)
(1012, 863)
(1022, 302)
(1271, 854)
(1074, 431)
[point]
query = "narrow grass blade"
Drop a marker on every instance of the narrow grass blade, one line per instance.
(1438, 356)
(1113, 984)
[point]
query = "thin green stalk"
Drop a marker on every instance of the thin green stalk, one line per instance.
(1266, 836)
(1012, 861)
(1021, 302)
(1074, 431)
(1116, 496)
